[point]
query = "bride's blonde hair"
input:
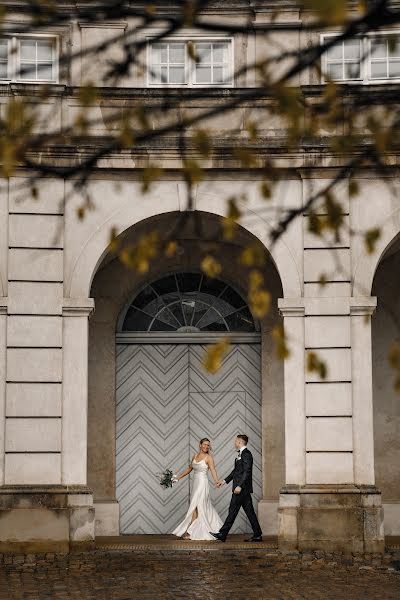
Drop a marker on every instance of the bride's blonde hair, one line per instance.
(204, 440)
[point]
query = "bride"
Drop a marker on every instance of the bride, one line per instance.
(201, 517)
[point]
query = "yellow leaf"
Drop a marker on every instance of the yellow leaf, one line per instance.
(314, 364)
(281, 347)
(210, 266)
(370, 239)
(149, 175)
(259, 297)
(171, 248)
(215, 354)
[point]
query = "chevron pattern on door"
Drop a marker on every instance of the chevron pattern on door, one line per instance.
(229, 403)
(152, 435)
(166, 402)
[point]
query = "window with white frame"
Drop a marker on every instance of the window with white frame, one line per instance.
(29, 59)
(385, 57)
(368, 59)
(209, 65)
(343, 61)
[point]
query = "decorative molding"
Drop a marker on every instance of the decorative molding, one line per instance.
(104, 25)
(185, 338)
(363, 305)
(77, 307)
(291, 307)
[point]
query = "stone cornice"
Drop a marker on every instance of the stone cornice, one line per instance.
(291, 307)
(380, 92)
(77, 307)
(3, 305)
(363, 305)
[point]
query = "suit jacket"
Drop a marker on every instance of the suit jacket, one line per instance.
(242, 474)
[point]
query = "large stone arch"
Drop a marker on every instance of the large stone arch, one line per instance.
(365, 268)
(112, 286)
(85, 265)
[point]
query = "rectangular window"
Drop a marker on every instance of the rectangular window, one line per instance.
(385, 57)
(210, 63)
(343, 61)
(28, 59)
(168, 63)
(213, 64)
(367, 59)
(4, 59)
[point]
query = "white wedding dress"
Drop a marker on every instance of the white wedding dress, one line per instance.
(207, 517)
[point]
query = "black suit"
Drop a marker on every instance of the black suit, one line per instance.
(242, 476)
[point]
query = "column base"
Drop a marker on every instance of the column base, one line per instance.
(344, 518)
(45, 519)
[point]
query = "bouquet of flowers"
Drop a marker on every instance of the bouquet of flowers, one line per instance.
(167, 478)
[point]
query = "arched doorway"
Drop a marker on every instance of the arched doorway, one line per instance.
(385, 332)
(166, 401)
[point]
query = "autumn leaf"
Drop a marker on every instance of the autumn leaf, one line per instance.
(314, 364)
(215, 354)
(202, 142)
(281, 346)
(210, 266)
(259, 297)
(171, 248)
(253, 255)
(87, 94)
(150, 174)
(370, 239)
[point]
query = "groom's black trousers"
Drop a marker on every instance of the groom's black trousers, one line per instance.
(241, 500)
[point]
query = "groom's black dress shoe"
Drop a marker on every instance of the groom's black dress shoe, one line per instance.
(257, 538)
(218, 536)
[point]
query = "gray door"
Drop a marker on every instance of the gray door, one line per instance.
(166, 402)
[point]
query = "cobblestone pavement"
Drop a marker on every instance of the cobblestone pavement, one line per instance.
(167, 575)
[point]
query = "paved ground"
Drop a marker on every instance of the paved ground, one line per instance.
(197, 575)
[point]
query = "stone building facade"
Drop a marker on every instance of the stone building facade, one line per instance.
(88, 410)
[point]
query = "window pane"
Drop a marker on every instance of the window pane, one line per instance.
(352, 49)
(45, 72)
(176, 75)
(204, 53)
(379, 48)
(352, 70)
(3, 49)
(335, 71)
(378, 70)
(218, 74)
(135, 320)
(163, 53)
(188, 282)
(220, 52)
(28, 50)
(3, 70)
(177, 53)
(203, 74)
(336, 52)
(158, 53)
(45, 51)
(155, 73)
(27, 71)
(164, 75)
(394, 68)
(394, 46)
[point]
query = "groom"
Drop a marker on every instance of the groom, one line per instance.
(242, 488)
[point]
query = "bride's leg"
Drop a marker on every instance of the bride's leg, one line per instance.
(195, 514)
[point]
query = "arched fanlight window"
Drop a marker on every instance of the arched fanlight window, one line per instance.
(188, 302)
